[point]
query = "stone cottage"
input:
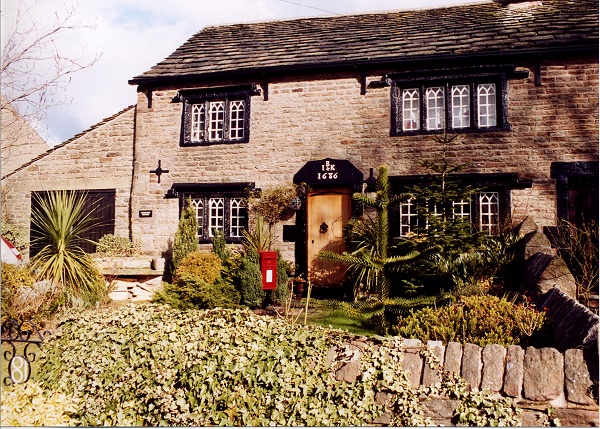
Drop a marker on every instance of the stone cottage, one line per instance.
(326, 101)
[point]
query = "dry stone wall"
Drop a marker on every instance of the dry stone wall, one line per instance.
(534, 378)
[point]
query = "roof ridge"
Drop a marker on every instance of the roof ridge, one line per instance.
(347, 14)
(63, 144)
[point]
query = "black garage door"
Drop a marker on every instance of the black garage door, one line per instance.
(101, 202)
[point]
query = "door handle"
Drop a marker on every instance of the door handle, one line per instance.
(323, 228)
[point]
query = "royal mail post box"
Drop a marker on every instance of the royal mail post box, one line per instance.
(268, 268)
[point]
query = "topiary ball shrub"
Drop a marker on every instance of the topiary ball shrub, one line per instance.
(479, 320)
(204, 265)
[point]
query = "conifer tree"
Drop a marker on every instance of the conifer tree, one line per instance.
(440, 226)
(369, 263)
(453, 233)
(185, 238)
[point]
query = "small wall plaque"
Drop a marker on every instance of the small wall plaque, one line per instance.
(145, 213)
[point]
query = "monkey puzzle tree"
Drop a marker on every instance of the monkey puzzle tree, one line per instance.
(370, 263)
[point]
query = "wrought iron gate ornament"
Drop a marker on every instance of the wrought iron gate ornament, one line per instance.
(17, 333)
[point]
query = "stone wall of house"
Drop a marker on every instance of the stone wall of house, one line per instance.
(99, 158)
(304, 119)
(312, 118)
(20, 142)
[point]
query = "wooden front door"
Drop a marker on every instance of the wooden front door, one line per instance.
(328, 211)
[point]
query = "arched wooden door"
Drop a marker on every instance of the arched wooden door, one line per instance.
(328, 212)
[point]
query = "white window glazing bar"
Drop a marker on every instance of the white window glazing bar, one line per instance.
(435, 107)
(486, 104)
(217, 117)
(238, 214)
(411, 110)
(461, 110)
(236, 120)
(198, 122)
(216, 215)
(199, 207)
(462, 209)
(408, 217)
(489, 212)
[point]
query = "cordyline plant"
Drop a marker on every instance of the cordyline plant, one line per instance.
(370, 263)
(60, 220)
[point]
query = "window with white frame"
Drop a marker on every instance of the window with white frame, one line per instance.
(486, 104)
(236, 120)
(462, 209)
(489, 212)
(461, 106)
(216, 215)
(482, 199)
(218, 207)
(198, 204)
(238, 216)
(452, 104)
(409, 218)
(411, 107)
(435, 107)
(486, 204)
(216, 115)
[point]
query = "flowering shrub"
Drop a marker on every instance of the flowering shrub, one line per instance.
(480, 320)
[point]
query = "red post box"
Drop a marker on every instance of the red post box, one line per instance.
(268, 268)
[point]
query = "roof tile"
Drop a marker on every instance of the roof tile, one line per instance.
(391, 36)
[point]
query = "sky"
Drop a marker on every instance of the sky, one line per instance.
(131, 36)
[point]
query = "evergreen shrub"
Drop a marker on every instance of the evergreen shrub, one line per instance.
(479, 320)
(185, 240)
(192, 292)
(204, 265)
(249, 280)
(282, 291)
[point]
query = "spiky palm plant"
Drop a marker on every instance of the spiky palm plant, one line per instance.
(369, 263)
(259, 238)
(60, 221)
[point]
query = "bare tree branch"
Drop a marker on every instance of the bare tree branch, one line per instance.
(34, 73)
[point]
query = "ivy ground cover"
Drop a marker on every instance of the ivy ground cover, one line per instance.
(152, 365)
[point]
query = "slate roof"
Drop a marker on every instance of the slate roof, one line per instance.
(391, 37)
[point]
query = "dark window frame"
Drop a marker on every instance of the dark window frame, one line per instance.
(574, 176)
(448, 78)
(204, 96)
(227, 191)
